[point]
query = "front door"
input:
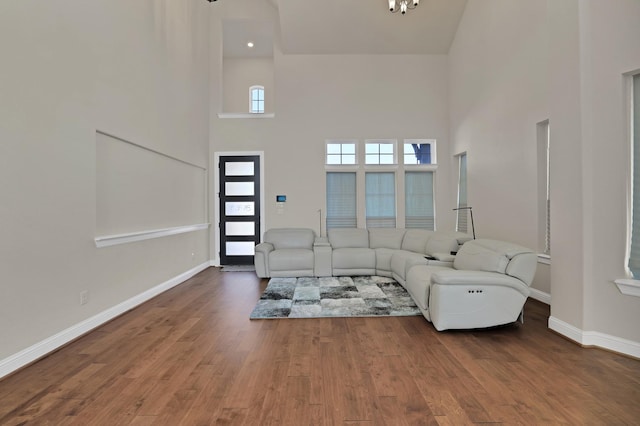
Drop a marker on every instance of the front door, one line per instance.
(239, 208)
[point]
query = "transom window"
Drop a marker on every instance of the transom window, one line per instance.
(341, 152)
(379, 152)
(256, 99)
(419, 151)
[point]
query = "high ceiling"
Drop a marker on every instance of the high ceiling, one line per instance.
(350, 27)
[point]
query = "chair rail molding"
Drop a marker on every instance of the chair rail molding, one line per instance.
(112, 240)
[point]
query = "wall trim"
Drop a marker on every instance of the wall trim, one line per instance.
(595, 338)
(50, 344)
(245, 115)
(540, 296)
(112, 240)
(628, 286)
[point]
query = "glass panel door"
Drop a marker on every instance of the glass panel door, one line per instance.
(239, 209)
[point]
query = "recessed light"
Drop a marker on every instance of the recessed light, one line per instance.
(250, 44)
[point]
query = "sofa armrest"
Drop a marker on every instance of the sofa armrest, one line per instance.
(261, 259)
(321, 242)
(455, 277)
(264, 248)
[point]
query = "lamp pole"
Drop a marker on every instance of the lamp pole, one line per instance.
(473, 228)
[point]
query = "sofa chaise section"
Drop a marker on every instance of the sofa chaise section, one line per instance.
(487, 286)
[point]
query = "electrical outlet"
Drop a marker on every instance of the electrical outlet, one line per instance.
(84, 297)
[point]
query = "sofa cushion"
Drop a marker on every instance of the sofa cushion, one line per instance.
(481, 255)
(402, 260)
(383, 261)
(415, 240)
(290, 259)
(442, 242)
(353, 258)
(523, 266)
(348, 238)
(290, 238)
(390, 238)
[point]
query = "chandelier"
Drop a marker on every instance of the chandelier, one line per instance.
(404, 5)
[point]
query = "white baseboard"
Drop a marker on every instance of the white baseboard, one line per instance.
(540, 296)
(50, 344)
(594, 338)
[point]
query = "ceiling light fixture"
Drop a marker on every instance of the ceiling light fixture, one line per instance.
(404, 5)
(250, 44)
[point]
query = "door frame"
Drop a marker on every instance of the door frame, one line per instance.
(215, 261)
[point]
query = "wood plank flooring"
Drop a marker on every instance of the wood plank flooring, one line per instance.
(191, 356)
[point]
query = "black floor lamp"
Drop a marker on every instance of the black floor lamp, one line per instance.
(473, 229)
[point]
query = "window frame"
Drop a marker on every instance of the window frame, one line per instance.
(632, 179)
(341, 142)
(433, 153)
(630, 285)
(379, 142)
(262, 101)
(543, 131)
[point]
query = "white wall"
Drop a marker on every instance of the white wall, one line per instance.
(320, 97)
(605, 40)
(325, 97)
(497, 95)
(241, 73)
(137, 70)
(514, 64)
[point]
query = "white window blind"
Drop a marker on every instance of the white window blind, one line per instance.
(380, 200)
(341, 200)
(461, 225)
(634, 255)
(419, 200)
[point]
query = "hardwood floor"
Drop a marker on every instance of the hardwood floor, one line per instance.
(192, 356)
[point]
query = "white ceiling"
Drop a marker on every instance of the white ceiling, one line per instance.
(348, 27)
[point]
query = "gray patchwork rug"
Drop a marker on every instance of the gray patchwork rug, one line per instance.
(310, 297)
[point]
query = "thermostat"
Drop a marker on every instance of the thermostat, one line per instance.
(281, 198)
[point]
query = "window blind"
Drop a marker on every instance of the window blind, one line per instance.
(380, 200)
(634, 255)
(341, 200)
(462, 194)
(419, 200)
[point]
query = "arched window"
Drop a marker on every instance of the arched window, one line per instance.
(256, 99)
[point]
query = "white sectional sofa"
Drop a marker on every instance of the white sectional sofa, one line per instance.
(456, 282)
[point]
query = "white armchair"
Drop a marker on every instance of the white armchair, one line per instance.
(285, 252)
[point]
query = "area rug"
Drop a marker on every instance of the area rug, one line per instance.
(310, 297)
